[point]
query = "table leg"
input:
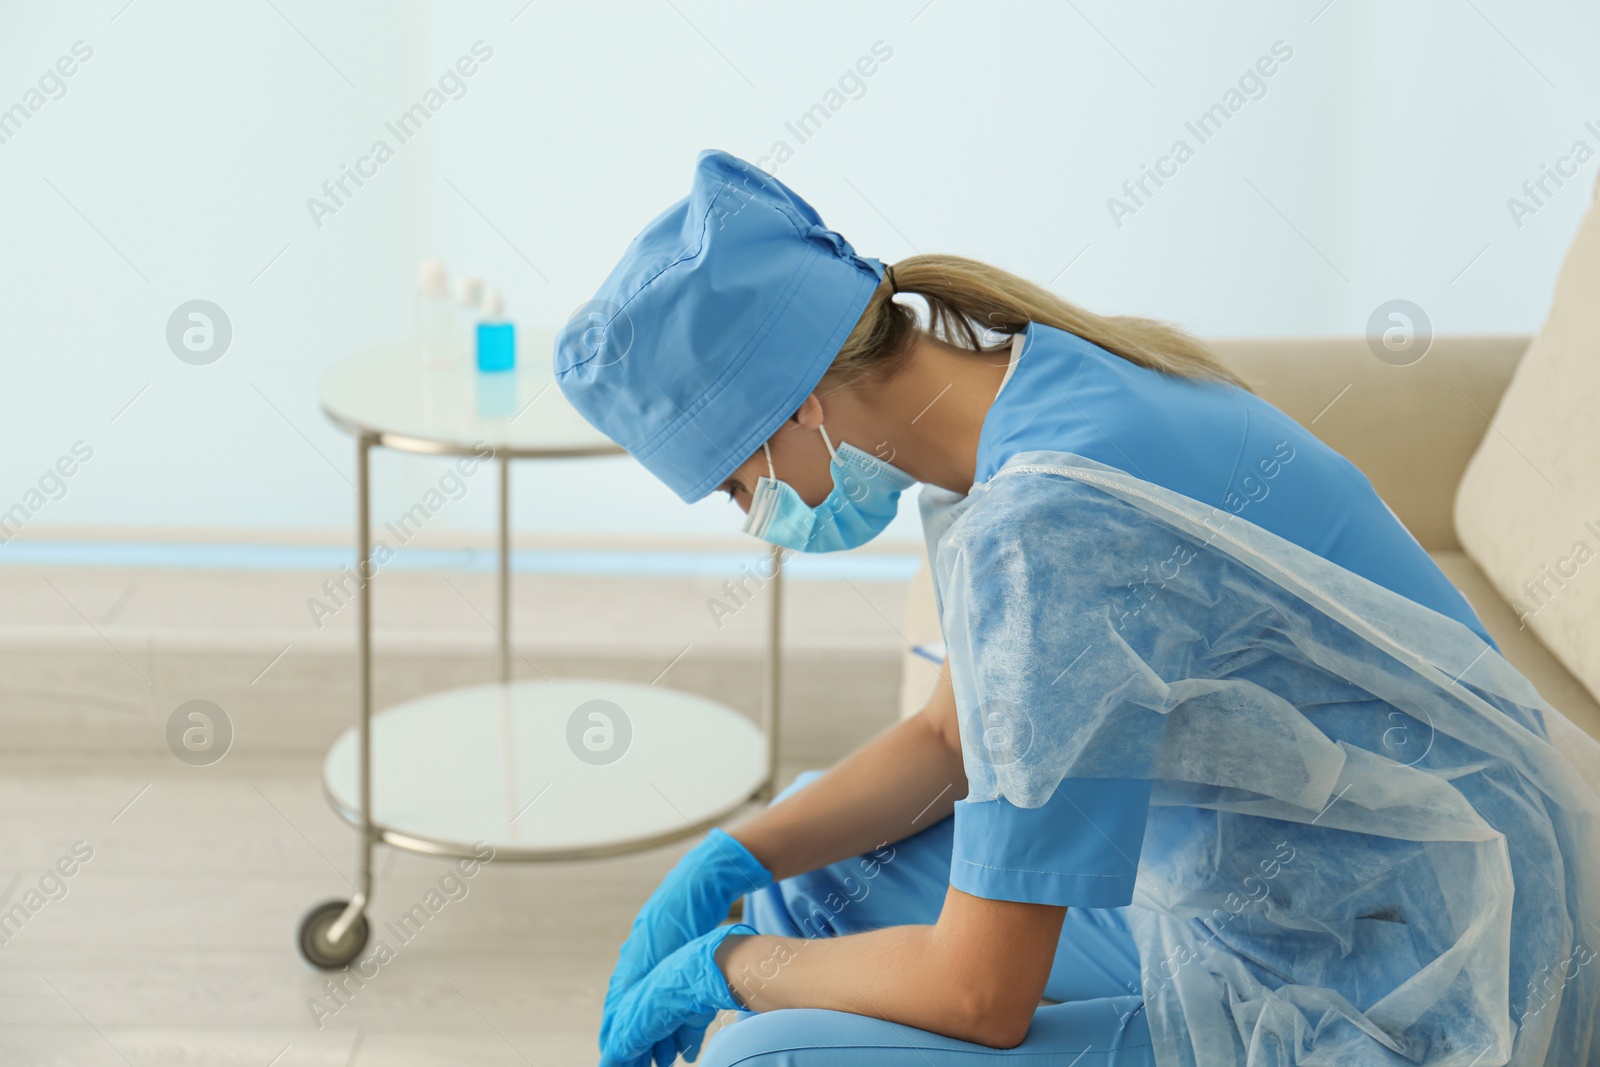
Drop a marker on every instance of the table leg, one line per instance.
(504, 659)
(774, 673)
(503, 651)
(364, 577)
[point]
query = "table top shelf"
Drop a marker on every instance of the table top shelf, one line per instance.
(569, 769)
(412, 404)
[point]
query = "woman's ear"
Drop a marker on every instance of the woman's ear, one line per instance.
(810, 414)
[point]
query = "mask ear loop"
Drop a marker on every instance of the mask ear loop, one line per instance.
(825, 440)
(766, 449)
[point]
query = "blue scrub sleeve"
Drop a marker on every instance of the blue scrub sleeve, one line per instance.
(1081, 849)
(1068, 618)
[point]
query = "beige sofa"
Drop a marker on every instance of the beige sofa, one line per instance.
(1487, 448)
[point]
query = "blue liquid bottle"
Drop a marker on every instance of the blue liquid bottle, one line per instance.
(496, 338)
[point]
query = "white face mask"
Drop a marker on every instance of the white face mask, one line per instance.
(866, 494)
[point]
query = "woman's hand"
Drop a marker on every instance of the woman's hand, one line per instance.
(901, 782)
(693, 899)
(667, 1013)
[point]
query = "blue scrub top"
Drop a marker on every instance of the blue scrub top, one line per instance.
(1217, 444)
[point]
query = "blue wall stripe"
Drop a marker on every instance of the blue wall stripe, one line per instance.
(867, 568)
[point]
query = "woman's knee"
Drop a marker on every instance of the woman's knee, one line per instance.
(751, 1041)
(1097, 1032)
(789, 1037)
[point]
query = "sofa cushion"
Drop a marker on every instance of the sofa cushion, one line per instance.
(1521, 648)
(1411, 429)
(924, 651)
(1528, 508)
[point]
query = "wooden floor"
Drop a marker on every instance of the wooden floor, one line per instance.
(173, 943)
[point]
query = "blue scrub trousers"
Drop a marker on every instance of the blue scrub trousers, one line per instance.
(1100, 1019)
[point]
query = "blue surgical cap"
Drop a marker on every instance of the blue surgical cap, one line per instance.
(724, 313)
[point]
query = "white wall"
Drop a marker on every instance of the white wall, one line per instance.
(1376, 164)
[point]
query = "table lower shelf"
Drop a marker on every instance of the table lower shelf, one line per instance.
(572, 769)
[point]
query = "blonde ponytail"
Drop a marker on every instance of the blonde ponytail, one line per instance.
(966, 295)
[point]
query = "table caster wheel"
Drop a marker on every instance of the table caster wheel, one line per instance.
(314, 944)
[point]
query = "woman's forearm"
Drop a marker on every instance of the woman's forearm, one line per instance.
(899, 783)
(975, 975)
(881, 973)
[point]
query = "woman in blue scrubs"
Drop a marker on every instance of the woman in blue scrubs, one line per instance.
(1200, 782)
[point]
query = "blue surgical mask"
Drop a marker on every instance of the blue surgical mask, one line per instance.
(866, 493)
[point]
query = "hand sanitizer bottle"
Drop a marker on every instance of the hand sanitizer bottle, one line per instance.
(469, 298)
(435, 315)
(497, 338)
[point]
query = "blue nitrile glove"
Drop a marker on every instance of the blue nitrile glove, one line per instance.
(692, 899)
(668, 1012)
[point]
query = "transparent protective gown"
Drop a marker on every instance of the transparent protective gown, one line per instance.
(1370, 840)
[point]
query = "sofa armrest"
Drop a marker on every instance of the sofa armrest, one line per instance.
(1410, 429)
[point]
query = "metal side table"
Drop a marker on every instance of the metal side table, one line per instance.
(532, 770)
